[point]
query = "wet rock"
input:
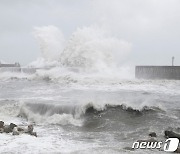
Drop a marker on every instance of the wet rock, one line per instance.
(19, 129)
(1, 130)
(171, 134)
(30, 131)
(9, 128)
(33, 134)
(30, 128)
(1, 124)
(177, 151)
(15, 131)
(152, 134)
(12, 126)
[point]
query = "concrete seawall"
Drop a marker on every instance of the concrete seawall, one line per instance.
(18, 70)
(22, 69)
(158, 72)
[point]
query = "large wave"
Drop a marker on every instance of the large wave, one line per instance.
(78, 115)
(90, 52)
(87, 48)
(90, 48)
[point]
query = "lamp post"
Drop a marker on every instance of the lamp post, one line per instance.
(173, 61)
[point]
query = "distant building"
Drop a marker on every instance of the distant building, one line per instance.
(10, 65)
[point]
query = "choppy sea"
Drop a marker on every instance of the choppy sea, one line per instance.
(80, 113)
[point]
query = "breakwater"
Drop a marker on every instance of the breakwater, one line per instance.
(18, 69)
(158, 72)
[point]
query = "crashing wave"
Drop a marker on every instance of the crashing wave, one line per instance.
(75, 115)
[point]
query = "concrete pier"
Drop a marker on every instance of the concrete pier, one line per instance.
(18, 70)
(158, 72)
(16, 67)
(9, 65)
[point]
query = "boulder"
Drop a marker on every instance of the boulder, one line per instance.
(177, 151)
(1, 124)
(171, 134)
(9, 128)
(30, 128)
(33, 134)
(1, 130)
(15, 131)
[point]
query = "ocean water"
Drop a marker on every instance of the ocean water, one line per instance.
(82, 97)
(85, 114)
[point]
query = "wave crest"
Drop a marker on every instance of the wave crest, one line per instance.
(75, 115)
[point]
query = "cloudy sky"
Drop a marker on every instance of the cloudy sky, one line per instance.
(152, 27)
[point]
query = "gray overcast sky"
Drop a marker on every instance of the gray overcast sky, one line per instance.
(151, 26)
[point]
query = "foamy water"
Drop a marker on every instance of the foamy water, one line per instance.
(84, 119)
(82, 97)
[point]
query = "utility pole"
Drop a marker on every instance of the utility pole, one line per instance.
(173, 61)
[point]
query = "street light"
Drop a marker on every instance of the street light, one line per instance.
(173, 61)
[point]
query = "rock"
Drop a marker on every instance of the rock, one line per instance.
(20, 129)
(30, 128)
(1, 130)
(1, 124)
(9, 128)
(152, 134)
(171, 134)
(15, 131)
(33, 134)
(177, 151)
(12, 126)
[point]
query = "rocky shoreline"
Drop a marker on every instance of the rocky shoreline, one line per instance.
(16, 130)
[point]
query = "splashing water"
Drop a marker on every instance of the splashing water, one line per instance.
(89, 48)
(51, 42)
(91, 55)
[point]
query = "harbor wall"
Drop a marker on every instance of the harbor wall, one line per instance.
(18, 70)
(158, 72)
